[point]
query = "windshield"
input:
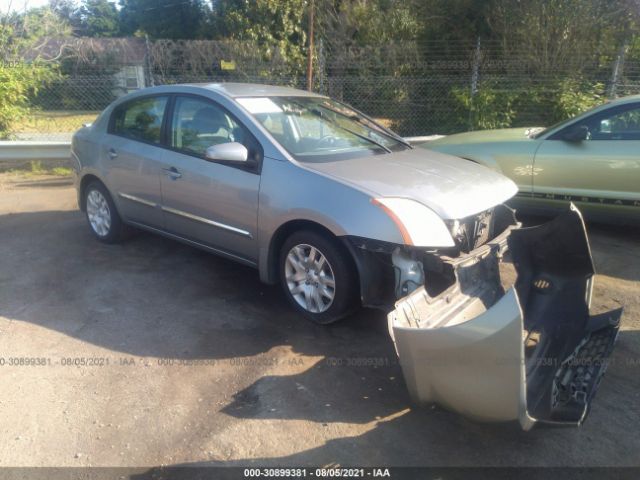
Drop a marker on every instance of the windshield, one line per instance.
(320, 129)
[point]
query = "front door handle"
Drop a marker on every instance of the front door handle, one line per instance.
(112, 154)
(172, 173)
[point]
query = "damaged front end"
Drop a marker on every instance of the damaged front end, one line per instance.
(531, 353)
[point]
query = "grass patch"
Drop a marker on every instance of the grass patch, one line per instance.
(62, 171)
(53, 121)
(37, 169)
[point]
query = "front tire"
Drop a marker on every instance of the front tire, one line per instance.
(318, 277)
(101, 213)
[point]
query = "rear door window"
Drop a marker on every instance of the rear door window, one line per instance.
(140, 119)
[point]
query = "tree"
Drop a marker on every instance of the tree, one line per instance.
(367, 22)
(556, 35)
(22, 71)
(92, 18)
(96, 18)
(65, 9)
(278, 27)
(453, 22)
(168, 19)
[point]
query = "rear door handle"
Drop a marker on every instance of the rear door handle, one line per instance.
(172, 173)
(112, 153)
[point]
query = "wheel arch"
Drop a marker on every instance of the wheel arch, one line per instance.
(84, 183)
(270, 274)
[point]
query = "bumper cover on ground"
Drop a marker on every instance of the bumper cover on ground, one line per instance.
(532, 354)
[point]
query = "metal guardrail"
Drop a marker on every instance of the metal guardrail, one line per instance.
(19, 154)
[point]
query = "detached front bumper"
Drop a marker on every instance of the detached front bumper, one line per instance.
(532, 354)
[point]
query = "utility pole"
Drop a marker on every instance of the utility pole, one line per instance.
(147, 63)
(615, 75)
(475, 74)
(475, 70)
(310, 52)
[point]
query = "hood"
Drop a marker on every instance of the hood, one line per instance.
(452, 187)
(484, 136)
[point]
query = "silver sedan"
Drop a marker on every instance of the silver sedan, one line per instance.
(342, 212)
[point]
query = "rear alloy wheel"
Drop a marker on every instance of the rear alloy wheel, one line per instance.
(101, 213)
(318, 277)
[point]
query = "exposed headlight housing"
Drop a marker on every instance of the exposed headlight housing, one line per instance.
(419, 225)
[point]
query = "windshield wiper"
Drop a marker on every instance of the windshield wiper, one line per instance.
(359, 135)
(366, 121)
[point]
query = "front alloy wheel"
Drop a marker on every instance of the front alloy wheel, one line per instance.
(310, 278)
(318, 276)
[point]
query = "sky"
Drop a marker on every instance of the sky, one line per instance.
(19, 5)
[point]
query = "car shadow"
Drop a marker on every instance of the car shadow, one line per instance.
(150, 296)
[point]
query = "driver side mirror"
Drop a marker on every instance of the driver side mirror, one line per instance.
(228, 152)
(576, 134)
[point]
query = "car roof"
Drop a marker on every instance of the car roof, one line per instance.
(235, 90)
(623, 100)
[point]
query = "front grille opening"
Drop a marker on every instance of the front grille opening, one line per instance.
(474, 231)
(436, 282)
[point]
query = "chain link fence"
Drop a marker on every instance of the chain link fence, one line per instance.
(415, 89)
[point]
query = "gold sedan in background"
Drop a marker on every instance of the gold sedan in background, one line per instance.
(592, 160)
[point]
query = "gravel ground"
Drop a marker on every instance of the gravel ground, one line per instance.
(189, 359)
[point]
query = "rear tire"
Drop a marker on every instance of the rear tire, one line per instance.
(103, 218)
(318, 277)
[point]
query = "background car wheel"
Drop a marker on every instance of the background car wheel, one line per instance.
(318, 277)
(103, 218)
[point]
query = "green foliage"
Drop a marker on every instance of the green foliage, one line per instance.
(557, 35)
(168, 19)
(494, 106)
(366, 22)
(92, 18)
(18, 83)
(20, 33)
(490, 107)
(36, 167)
(20, 79)
(277, 27)
(452, 22)
(62, 171)
(382, 21)
(96, 18)
(575, 96)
